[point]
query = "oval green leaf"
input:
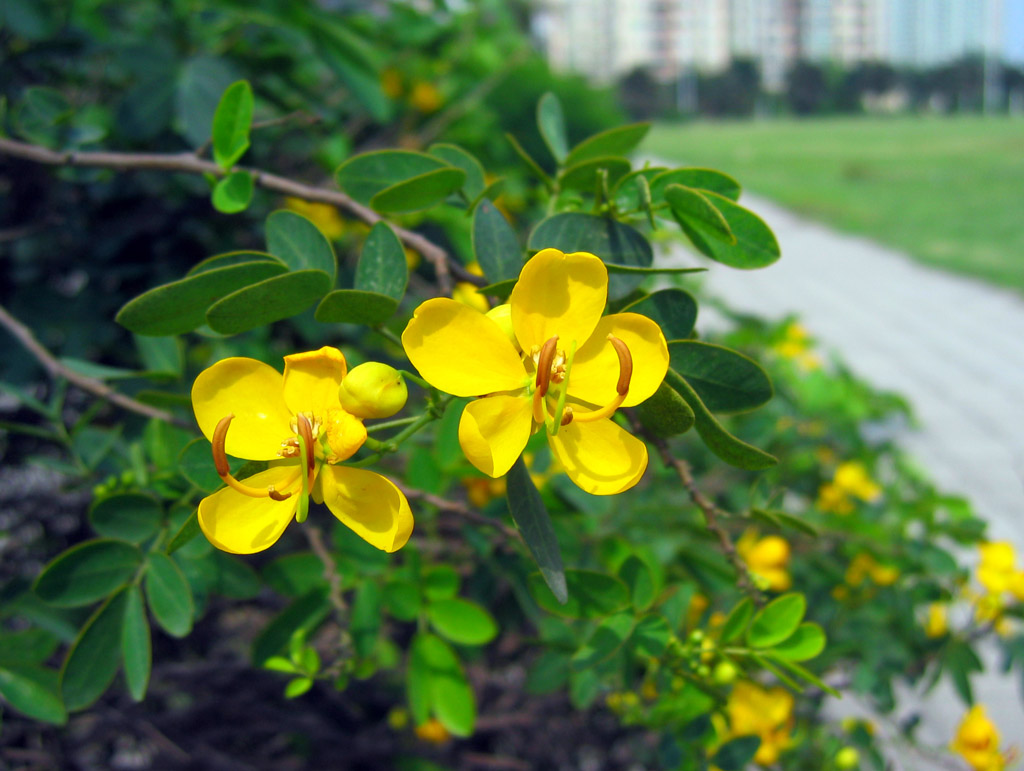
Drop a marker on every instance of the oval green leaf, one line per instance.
(725, 380)
(169, 595)
(420, 192)
(270, 300)
(382, 268)
(755, 245)
(354, 306)
(131, 517)
(450, 696)
(621, 140)
(32, 691)
(737, 620)
(689, 205)
(495, 245)
(701, 179)
(474, 184)
(88, 572)
(531, 517)
(674, 310)
(402, 600)
(583, 175)
(551, 123)
(229, 259)
(805, 643)
(299, 244)
(233, 193)
(231, 124)
(93, 659)
(462, 621)
(665, 413)
(136, 647)
(591, 594)
(776, 621)
(363, 176)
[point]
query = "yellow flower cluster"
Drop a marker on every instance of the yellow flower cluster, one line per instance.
(998, 574)
(765, 712)
(851, 481)
(977, 742)
(936, 622)
(767, 559)
(323, 215)
(796, 345)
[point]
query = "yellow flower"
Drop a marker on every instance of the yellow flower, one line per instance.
(433, 732)
(248, 410)
(853, 478)
(323, 215)
(863, 566)
(996, 571)
(767, 713)
(562, 379)
(767, 558)
(937, 622)
(483, 490)
(425, 97)
(466, 293)
(833, 499)
(977, 741)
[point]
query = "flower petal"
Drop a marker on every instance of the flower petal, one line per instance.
(461, 351)
(494, 430)
(558, 294)
(600, 457)
(369, 504)
(251, 391)
(311, 380)
(239, 524)
(595, 370)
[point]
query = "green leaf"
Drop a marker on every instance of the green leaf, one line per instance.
(639, 580)
(804, 673)
(499, 289)
(135, 644)
(584, 688)
(733, 451)
(440, 583)
(462, 621)
(29, 646)
(179, 307)
(691, 206)
(189, 530)
(365, 621)
(202, 82)
(270, 300)
(736, 754)
(548, 673)
(196, 464)
(591, 594)
(551, 123)
(304, 614)
(447, 690)
(779, 518)
(607, 638)
(651, 635)
(293, 575)
(755, 245)
(32, 691)
(132, 517)
(737, 621)
(665, 413)
(87, 572)
(456, 156)
(805, 643)
(229, 259)
(534, 523)
(299, 244)
(420, 192)
(776, 621)
(621, 140)
(161, 355)
(234, 578)
(402, 600)
(169, 595)
(654, 271)
(418, 685)
(701, 179)
(366, 175)
(495, 245)
(725, 380)
(354, 306)
(297, 687)
(960, 661)
(628, 193)
(530, 162)
(93, 659)
(674, 310)
(583, 176)
(382, 268)
(609, 239)
(233, 193)
(231, 124)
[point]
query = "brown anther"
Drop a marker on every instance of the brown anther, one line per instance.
(625, 365)
(276, 496)
(547, 355)
(220, 435)
(567, 416)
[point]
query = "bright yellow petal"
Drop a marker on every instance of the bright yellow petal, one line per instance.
(461, 351)
(595, 370)
(311, 380)
(558, 294)
(369, 504)
(600, 457)
(239, 524)
(494, 431)
(251, 391)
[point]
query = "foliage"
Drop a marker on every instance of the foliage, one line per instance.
(709, 606)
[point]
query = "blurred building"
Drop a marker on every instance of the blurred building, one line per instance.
(605, 39)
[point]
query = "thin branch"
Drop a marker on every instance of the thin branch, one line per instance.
(188, 163)
(57, 370)
(710, 510)
(459, 509)
(331, 575)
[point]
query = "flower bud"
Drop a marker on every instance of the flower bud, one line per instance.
(373, 390)
(725, 672)
(847, 757)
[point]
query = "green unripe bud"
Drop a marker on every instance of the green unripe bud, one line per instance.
(847, 757)
(373, 390)
(704, 670)
(725, 672)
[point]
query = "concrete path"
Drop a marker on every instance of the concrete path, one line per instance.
(953, 346)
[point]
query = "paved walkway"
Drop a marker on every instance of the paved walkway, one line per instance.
(953, 346)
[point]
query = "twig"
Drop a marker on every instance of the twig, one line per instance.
(188, 163)
(331, 575)
(459, 509)
(57, 370)
(710, 510)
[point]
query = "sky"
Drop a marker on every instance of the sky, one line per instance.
(1013, 30)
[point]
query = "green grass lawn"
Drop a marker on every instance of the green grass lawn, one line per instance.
(949, 191)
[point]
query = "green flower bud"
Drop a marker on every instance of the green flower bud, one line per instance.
(847, 757)
(373, 390)
(725, 672)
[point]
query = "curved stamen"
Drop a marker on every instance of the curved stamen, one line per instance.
(621, 387)
(220, 462)
(544, 360)
(306, 432)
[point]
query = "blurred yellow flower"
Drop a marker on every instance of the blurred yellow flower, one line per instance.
(767, 713)
(937, 622)
(323, 215)
(996, 570)
(412, 259)
(851, 480)
(796, 345)
(864, 566)
(767, 559)
(433, 732)
(977, 741)
(425, 97)
(482, 490)
(466, 293)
